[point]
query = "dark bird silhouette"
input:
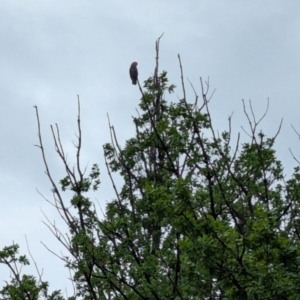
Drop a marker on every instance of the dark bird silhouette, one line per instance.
(133, 72)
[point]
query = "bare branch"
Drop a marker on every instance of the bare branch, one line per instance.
(35, 264)
(182, 81)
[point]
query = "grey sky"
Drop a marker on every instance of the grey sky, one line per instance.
(52, 50)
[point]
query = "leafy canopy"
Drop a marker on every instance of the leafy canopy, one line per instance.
(196, 217)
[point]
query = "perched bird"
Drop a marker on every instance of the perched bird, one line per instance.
(133, 72)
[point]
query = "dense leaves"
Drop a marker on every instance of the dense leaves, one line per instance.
(196, 217)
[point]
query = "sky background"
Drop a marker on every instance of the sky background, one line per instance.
(52, 51)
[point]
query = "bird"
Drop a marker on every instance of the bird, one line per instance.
(133, 72)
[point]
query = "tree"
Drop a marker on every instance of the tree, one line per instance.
(196, 218)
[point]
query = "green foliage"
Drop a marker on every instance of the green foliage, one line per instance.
(194, 219)
(23, 287)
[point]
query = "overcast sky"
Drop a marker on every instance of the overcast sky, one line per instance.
(53, 50)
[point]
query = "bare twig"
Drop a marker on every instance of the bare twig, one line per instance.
(35, 264)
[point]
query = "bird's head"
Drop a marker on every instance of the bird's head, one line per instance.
(134, 63)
